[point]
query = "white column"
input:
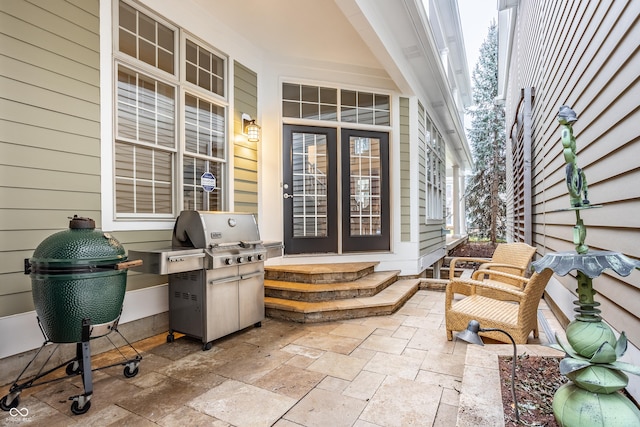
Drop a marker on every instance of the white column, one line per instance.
(455, 197)
(462, 220)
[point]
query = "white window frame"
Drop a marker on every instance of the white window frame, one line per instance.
(431, 143)
(110, 57)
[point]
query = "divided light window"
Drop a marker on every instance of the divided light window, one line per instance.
(435, 167)
(170, 128)
(321, 103)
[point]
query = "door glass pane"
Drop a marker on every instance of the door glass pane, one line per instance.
(309, 161)
(365, 165)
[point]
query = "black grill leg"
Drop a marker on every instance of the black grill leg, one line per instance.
(82, 403)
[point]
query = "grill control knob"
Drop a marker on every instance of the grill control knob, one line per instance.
(228, 261)
(260, 257)
(250, 258)
(240, 260)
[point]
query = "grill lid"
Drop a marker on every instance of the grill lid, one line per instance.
(79, 246)
(213, 230)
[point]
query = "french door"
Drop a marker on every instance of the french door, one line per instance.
(365, 191)
(314, 181)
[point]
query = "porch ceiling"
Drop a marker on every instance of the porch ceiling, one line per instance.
(315, 30)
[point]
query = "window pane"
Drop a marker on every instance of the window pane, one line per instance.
(365, 100)
(162, 166)
(163, 199)
(144, 164)
(310, 111)
(192, 53)
(382, 102)
(328, 95)
(349, 115)
(165, 38)
(127, 43)
(382, 118)
(191, 73)
(147, 27)
(310, 94)
(124, 196)
(328, 112)
(291, 92)
(165, 61)
(349, 98)
(124, 161)
(146, 52)
(127, 17)
(290, 109)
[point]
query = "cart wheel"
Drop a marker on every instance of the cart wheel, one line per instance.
(79, 411)
(258, 325)
(207, 346)
(72, 368)
(130, 373)
(13, 404)
(170, 338)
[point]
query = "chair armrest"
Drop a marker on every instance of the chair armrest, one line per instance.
(481, 272)
(490, 265)
(452, 264)
(505, 291)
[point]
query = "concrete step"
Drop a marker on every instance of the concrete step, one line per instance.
(384, 302)
(366, 286)
(319, 273)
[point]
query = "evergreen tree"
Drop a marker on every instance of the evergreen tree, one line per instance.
(485, 192)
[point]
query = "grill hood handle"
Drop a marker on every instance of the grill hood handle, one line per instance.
(249, 243)
(128, 264)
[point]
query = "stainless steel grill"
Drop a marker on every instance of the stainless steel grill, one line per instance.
(216, 274)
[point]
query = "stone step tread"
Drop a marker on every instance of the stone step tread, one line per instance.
(387, 297)
(320, 273)
(370, 281)
(345, 267)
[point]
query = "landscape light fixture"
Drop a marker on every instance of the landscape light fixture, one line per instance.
(470, 335)
(250, 128)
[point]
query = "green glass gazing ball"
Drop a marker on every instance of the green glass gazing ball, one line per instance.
(587, 337)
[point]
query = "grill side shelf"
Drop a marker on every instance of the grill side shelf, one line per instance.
(168, 261)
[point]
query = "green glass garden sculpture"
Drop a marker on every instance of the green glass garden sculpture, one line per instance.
(593, 397)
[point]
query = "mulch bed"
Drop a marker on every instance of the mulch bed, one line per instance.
(474, 249)
(537, 379)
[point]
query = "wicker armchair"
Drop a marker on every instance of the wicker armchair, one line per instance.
(511, 258)
(503, 307)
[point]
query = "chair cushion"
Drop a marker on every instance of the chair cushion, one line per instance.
(477, 306)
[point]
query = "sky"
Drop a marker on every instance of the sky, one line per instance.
(476, 16)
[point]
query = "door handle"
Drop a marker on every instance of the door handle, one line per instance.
(287, 196)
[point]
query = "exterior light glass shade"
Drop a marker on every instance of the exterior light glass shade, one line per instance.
(470, 335)
(253, 131)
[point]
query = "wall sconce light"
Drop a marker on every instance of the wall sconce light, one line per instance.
(470, 335)
(250, 128)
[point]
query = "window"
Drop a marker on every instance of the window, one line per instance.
(432, 145)
(321, 103)
(365, 108)
(170, 127)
